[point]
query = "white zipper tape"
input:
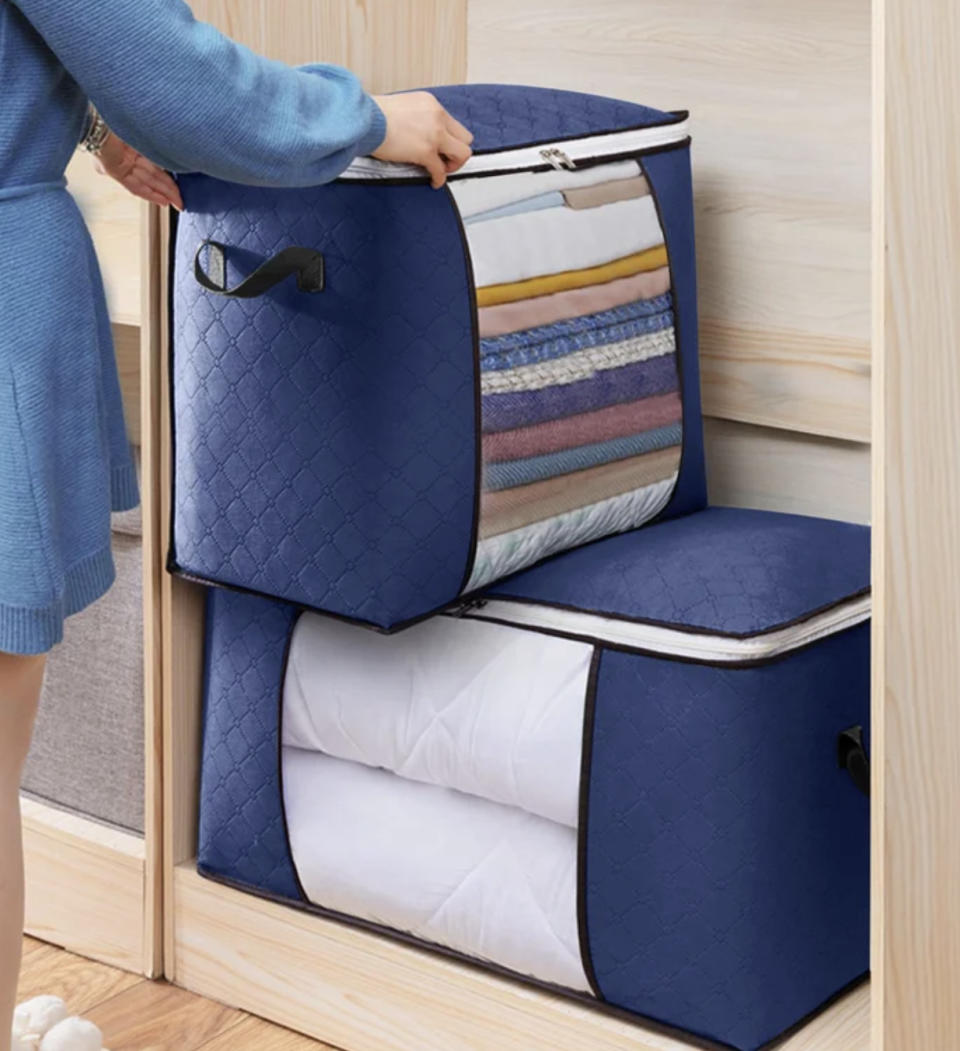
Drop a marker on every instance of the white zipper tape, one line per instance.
(671, 642)
(563, 154)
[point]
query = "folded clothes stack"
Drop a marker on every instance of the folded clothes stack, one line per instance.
(580, 388)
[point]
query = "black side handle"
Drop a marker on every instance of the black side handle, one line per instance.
(306, 263)
(852, 757)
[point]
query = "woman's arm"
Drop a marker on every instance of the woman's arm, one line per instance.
(191, 99)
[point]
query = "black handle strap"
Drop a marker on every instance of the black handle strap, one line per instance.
(852, 757)
(306, 263)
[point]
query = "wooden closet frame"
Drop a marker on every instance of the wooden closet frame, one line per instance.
(365, 993)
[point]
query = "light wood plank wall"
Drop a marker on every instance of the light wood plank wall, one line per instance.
(389, 44)
(916, 715)
(780, 100)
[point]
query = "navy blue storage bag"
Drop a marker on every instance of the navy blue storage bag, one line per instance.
(637, 773)
(385, 396)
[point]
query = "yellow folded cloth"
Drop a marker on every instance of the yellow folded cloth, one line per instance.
(627, 265)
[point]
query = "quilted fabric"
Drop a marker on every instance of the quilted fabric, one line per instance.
(727, 855)
(242, 828)
(669, 175)
(325, 444)
(504, 116)
(725, 570)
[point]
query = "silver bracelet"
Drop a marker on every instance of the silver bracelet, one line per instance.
(96, 134)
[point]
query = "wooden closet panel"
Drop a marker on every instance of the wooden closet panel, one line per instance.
(780, 98)
(916, 958)
(390, 44)
(779, 470)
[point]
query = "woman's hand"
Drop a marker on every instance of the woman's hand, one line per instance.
(135, 173)
(420, 131)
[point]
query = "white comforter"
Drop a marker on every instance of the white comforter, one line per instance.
(490, 881)
(485, 709)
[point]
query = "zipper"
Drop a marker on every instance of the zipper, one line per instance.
(569, 154)
(666, 641)
(557, 158)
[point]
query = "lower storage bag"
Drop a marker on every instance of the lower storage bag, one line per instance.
(386, 396)
(636, 774)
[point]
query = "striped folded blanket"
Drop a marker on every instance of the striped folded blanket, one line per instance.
(504, 412)
(656, 308)
(614, 421)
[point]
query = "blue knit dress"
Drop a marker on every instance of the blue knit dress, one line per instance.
(191, 100)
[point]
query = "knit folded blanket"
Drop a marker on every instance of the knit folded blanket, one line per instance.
(615, 421)
(641, 379)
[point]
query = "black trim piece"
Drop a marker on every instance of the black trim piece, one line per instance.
(852, 757)
(687, 629)
(640, 651)
(171, 275)
(583, 821)
(307, 263)
(477, 396)
(280, 712)
(485, 966)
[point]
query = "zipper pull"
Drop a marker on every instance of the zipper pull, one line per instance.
(557, 158)
(467, 607)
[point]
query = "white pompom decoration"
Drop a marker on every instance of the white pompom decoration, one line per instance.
(34, 1017)
(73, 1034)
(24, 1043)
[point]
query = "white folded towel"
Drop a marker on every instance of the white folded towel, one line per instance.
(494, 191)
(532, 244)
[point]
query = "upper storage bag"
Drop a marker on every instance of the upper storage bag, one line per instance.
(387, 396)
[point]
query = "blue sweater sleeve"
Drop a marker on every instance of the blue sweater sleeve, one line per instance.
(191, 99)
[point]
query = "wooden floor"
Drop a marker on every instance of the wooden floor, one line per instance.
(137, 1015)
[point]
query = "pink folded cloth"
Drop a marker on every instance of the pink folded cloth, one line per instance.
(607, 193)
(614, 421)
(509, 509)
(559, 306)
